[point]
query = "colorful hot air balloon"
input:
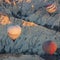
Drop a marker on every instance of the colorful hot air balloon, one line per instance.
(49, 47)
(4, 19)
(14, 32)
(51, 8)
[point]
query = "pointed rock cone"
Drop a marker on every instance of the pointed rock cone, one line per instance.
(49, 47)
(14, 32)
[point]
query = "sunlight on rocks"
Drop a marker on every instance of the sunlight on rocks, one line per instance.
(25, 23)
(28, 1)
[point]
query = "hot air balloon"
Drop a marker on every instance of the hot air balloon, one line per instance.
(51, 8)
(49, 47)
(14, 32)
(4, 19)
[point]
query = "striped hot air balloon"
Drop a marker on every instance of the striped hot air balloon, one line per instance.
(49, 47)
(51, 8)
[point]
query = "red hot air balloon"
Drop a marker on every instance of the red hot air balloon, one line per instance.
(49, 47)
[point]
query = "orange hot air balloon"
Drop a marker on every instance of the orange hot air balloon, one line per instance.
(4, 19)
(49, 47)
(14, 32)
(51, 8)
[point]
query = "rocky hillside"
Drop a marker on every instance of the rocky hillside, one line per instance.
(37, 26)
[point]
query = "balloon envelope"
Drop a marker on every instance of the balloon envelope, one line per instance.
(4, 19)
(49, 47)
(14, 32)
(51, 8)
